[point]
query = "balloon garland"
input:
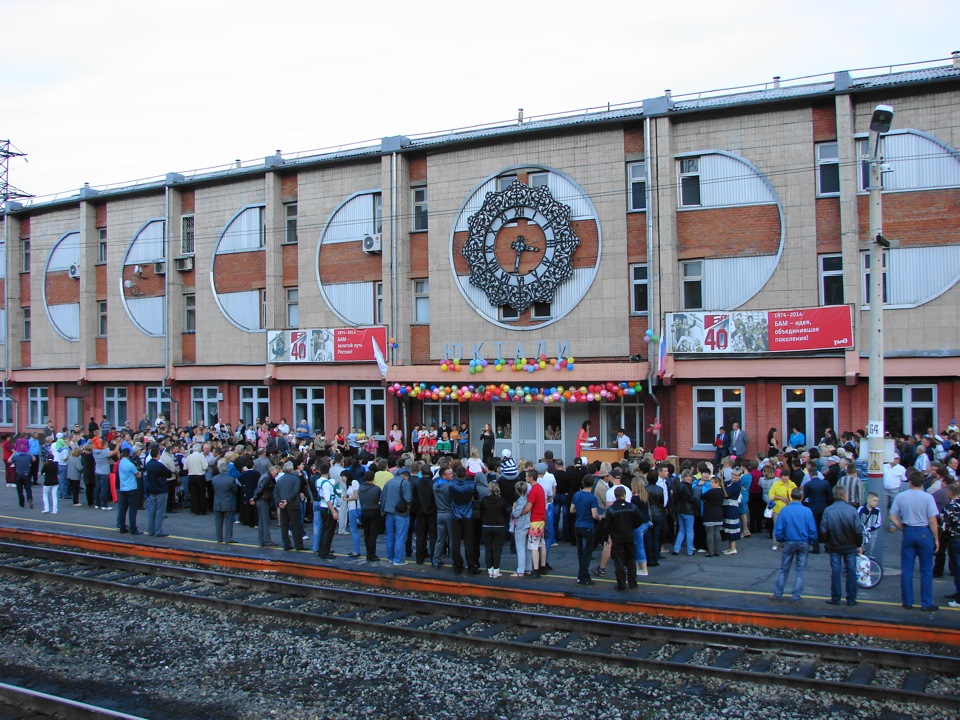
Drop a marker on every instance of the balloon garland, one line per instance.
(519, 364)
(504, 392)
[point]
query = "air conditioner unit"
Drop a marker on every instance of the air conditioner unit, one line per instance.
(160, 268)
(184, 264)
(74, 271)
(372, 243)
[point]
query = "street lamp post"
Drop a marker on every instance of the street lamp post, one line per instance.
(880, 123)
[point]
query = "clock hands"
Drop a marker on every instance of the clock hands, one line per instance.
(519, 246)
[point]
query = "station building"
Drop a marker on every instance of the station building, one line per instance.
(672, 265)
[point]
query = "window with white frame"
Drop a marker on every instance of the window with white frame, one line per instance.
(421, 302)
(508, 313)
(639, 289)
(420, 208)
(6, 406)
(158, 403)
(293, 307)
(909, 409)
(27, 323)
(115, 405)
(540, 179)
(254, 403)
(637, 186)
(692, 272)
(626, 414)
(378, 302)
(436, 412)
(101, 318)
(865, 275)
(863, 154)
(809, 408)
(189, 312)
(690, 182)
(541, 311)
(25, 255)
(505, 181)
(368, 409)
(714, 407)
(37, 406)
(205, 404)
(828, 168)
(308, 404)
(186, 235)
(263, 307)
(831, 279)
(290, 217)
(101, 245)
(377, 212)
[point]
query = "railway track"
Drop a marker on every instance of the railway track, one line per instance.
(883, 675)
(31, 704)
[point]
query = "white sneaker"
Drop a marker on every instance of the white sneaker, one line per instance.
(496, 572)
(643, 572)
(774, 548)
(953, 604)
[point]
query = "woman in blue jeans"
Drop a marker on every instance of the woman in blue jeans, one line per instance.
(640, 498)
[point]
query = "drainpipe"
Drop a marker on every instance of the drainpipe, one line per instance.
(652, 274)
(166, 310)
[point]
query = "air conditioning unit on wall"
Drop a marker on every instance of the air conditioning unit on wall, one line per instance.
(184, 264)
(160, 268)
(372, 243)
(74, 271)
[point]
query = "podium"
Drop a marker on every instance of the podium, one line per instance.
(610, 455)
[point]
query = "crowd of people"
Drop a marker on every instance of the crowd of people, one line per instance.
(440, 499)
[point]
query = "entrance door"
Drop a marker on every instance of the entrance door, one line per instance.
(528, 436)
(74, 411)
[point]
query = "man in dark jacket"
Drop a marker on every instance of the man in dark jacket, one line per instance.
(224, 503)
(816, 496)
(157, 476)
(842, 536)
(622, 519)
(286, 496)
(686, 506)
(425, 509)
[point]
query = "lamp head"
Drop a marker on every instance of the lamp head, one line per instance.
(128, 284)
(882, 119)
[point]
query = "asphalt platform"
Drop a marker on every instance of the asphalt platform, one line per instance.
(741, 582)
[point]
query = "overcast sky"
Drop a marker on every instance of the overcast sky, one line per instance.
(109, 91)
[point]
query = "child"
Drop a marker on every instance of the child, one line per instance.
(423, 442)
(870, 520)
(443, 444)
(432, 440)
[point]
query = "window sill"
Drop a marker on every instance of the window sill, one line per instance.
(828, 195)
(642, 313)
(636, 211)
(189, 332)
(415, 231)
(287, 242)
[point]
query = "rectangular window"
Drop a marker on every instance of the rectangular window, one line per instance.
(25, 311)
(421, 301)
(508, 313)
(290, 215)
(640, 287)
(37, 406)
(263, 308)
(420, 208)
(690, 182)
(25, 255)
(6, 407)
(863, 154)
(101, 245)
(622, 414)
(186, 235)
(435, 412)
(811, 409)
(368, 410)
(692, 271)
(865, 274)
(714, 407)
(115, 405)
(101, 318)
(189, 312)
(828, 168)
(505, 181)
(637, 186)
(831, 279)
(293, 307)
(378, 303)
(909, 409)
(254, 403)
(540, 179)
(158, 403)
(540, 311)
(308, 404)
(205, 404)
(377, 213)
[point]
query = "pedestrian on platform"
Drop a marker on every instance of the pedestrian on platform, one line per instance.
(915, 513)
(796, 530)
(158, 476)
(622, 519)
(842, 535)
(587, 513)
(950, 534)
(225, 488)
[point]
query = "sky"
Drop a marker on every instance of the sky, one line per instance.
(110, 91)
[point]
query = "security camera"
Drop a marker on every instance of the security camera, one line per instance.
(882, 119)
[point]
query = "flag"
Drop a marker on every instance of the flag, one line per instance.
(378, 354)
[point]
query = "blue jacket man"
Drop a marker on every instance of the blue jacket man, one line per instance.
(796, 531)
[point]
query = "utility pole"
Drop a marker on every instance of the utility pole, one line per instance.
(7, 191)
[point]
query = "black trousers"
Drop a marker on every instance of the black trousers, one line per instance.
(625, 561)
(290, 523)
(585, 538)
(328, 527)
(371, 530)
(492, 545)
(426, 526)
(197, 487)
(462, 532)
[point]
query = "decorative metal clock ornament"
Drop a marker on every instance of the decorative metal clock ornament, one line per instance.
(492, 243)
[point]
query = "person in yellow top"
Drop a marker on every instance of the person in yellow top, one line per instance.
(780, 495)
(382, 476)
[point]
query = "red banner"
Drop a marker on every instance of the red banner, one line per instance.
(826, 328)
(356, 344)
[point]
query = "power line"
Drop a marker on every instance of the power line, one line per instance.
(7, 191)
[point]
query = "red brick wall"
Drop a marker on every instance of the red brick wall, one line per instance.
(101, 275)
(189, 278)
(638, 325)
(916, 219)
(289, 258)
(101, 349)
(419, 255)
(417, 168)
(420, 344)
(188, 202)
(237, 272)
(188, 347)
(636, 237)
(3, 293)
(25, 289)
(61, 288)
(25, 227)
(25, 354)
(288, 188)
(728, 232)
(828, 225)
(346, 262)
(633, 140)
(824, 123)
(150, 285)
(102, 215)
